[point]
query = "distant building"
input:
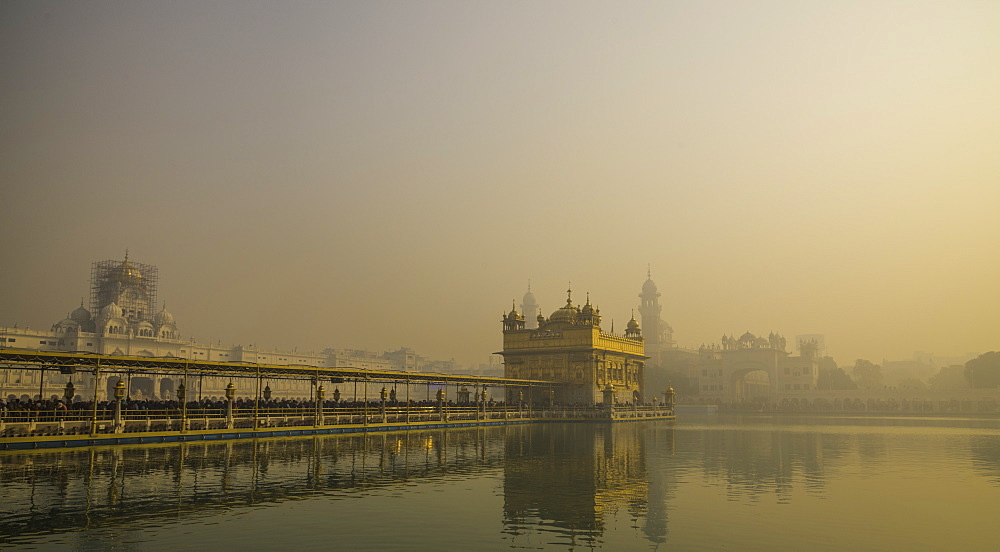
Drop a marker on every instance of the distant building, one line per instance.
(752, 369)
(668, 364)
(659, 335)
(818, 340)
(123, 321)
(529, 308)
(570, 347)
(932, 359)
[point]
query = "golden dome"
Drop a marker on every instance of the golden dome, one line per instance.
(513, 314)
(126, 273)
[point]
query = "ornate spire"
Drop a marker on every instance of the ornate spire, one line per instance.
(633, 328)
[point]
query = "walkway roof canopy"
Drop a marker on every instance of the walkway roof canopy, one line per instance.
(71, 361)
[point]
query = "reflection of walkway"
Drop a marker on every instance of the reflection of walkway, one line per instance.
(73, 489)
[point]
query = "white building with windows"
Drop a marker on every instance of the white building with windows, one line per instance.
(123, 321)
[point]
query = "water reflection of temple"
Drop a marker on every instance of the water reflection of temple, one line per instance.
(570, 478)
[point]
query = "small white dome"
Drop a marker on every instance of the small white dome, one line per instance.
(111, 311)
(163, 317)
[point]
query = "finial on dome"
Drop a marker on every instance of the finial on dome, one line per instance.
(569, 293)
(126, 254)
(529, 285)
(649, 271)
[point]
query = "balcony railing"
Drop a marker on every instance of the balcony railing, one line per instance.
(108, 420)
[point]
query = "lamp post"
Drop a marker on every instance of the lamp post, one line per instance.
(668, 399)
(440, 400)
(119, 395)
(336, 403)
(609, 398)
(320, 395)
(267, 392)
(482, 400)
(230, 395)
(181, 396)
(520, 403)
(383, 395)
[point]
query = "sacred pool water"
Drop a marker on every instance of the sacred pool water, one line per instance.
(700, 483)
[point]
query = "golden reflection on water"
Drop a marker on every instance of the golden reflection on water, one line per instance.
(753, 482)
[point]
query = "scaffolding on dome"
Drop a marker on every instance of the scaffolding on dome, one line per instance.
(131, 285)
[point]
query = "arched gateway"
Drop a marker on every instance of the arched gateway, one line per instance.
(752, 370)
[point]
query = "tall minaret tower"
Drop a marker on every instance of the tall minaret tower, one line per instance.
(649, 310)
(529, 308)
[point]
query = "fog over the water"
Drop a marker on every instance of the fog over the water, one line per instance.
(376, 175)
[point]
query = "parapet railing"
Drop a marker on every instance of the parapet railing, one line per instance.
(110, 420)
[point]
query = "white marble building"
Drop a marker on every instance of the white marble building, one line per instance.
(123, 320)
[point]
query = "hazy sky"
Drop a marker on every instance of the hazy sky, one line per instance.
(385, 174)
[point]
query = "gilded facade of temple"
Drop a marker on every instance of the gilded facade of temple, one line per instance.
(570, 347)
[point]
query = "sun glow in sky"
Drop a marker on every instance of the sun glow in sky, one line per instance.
(375, 174)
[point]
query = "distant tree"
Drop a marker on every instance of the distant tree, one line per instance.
(834, 378)
(984, 371)
(866, 374)
(949, 378)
